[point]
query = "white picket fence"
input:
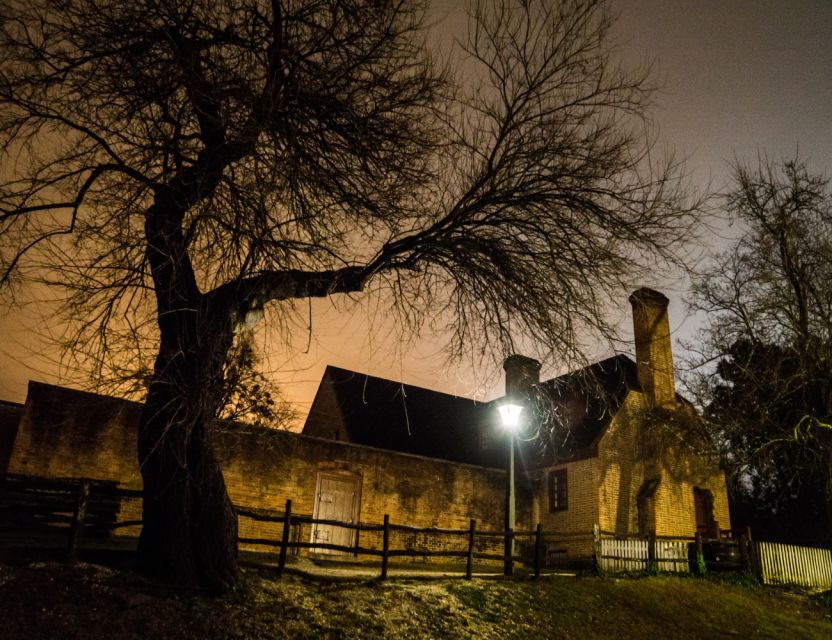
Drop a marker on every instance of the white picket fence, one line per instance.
(774, 563)
(789, 564)
(633, 555)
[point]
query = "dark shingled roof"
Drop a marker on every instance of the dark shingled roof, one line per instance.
(583, 403)
(382, 413)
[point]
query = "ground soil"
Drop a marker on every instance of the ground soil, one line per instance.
(92, 601)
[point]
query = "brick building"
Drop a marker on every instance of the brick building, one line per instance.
(616, 449)
(612, 444)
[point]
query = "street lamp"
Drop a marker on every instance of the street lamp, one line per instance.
(510, 416)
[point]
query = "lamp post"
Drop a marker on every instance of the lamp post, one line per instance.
(510, 416)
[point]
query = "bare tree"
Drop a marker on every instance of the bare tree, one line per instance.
(199, 160)
(768, 301)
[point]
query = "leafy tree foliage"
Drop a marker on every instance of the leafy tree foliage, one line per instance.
(769, 325)
(179, 167)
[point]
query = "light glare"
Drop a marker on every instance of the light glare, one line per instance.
(510, 414)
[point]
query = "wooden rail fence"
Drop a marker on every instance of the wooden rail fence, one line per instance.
(468, 552)
(31, 507)
(81, 508)
(89, 509)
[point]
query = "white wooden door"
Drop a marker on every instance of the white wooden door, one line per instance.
(337, 498)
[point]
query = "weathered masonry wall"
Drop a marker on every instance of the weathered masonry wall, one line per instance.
(264, 468)
(623, 469)
(66, 433)
(628, 457)
(579, 516)
(10, 413)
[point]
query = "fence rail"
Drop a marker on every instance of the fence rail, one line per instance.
(467, 536)
(79, 508)
(85, 508)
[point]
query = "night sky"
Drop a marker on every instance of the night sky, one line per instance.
(739, 77)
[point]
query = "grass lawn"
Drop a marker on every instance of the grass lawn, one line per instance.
(48, 600)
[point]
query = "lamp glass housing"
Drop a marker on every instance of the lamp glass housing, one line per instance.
(510, 415)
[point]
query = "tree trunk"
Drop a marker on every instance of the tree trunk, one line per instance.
(189, 534)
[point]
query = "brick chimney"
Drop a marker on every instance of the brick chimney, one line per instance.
(654, 357)
(521, 374)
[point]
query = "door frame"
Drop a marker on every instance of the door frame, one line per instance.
(356, 508)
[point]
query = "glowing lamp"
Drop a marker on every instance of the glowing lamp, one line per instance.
(510, 415)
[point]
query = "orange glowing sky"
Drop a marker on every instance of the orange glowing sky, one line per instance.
(739, 78)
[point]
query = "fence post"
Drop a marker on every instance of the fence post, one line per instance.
(284, 541)
(538, 549)
(508, 560)
(744, 559)
(754, 556)
(385, 546)
(700, 554)
(652, 565)
(469, 565)
(596, 547)
(79, 515)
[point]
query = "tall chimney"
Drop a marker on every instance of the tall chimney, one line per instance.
(654, 357)
(521, 374)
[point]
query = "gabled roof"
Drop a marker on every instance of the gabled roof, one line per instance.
(583, 403)
(387, 414)
(383, 413)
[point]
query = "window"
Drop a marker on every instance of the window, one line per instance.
(557, 490)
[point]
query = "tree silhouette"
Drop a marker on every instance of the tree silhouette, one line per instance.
(769, 305)
(179, 166)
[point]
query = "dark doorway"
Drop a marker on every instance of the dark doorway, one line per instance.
(704, 505)
(646, 506)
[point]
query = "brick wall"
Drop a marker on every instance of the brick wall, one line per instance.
(621, 468)
(67, 433)
(325, 419)
(10, 413)
(263, 468)
(654, 354)
(626, 461)
(582, 510)
(605, 489)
